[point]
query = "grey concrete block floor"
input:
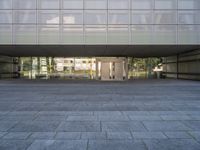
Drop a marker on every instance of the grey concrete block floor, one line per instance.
(87, 115)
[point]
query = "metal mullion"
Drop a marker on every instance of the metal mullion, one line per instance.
(83, 23)
(37, 22)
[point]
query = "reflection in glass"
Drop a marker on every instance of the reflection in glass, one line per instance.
(25, 16)
(95, 34)
(72, 17)
(73, 4)
(95, 4)
(188, 34)
(6, 31)
(118, 34)
(165, 4)
(164, 34)
(25, 34)
(24, 4)
(142, 17)
(5, 4)
(118, 17)
(72, 34)
(189, 17)
(142, 4)
(188, 4)
(118, 4)
(141, 34)
(49, 34)
(49, 17)
(165, 17)
(95, 17)
(5, 16)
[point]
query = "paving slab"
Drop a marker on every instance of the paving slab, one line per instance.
(115, 145)
(172, 144)
(79, 126)
(35, 126)
(58, 145)
(165, 126)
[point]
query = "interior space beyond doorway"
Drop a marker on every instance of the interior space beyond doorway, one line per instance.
(92, 68)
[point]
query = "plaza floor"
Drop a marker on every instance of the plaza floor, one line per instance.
(92, 115)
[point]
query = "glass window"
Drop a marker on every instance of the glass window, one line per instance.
(95, 34)
(6, 31)
(72, 34)
(189, 4)
(95, 4)
(118, 17)
(118, 4)
(142, 17)
(25, 34)
(5, 4)
(118, 34)
(24, 4)
(164, 34)
(95, 17)
(188, 34)
(25, 16)
(5, 16)
(142, 4)
(73, 4)
(49, 17)
(189, 17)
(165, 4)
(165, 17)
(72, 17)
(49, 4)
(49, 34)
(141, 34)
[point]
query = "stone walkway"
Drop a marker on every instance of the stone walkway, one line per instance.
(91, 115)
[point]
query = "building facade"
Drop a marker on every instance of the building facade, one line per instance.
(65, 28)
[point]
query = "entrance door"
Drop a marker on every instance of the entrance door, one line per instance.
(118, 71)
(105, 71)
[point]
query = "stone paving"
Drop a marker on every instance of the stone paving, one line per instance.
(91, 115)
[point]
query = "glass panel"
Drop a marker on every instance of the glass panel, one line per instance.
(95, 17)
(142, 4)
(165, 17)
(49, 4)
(25, 16)
(189, 17)
(5, 16)
(49, 34)
(25, 34)
(118, 4)
(142, 17)
(164, 34)
(72, 34)
(73, 4)
(24, 4)
(72, 17)
(118, 17)
(141, 34)
(6, 31)
(165, 4)
(188, 34)
(95, 34)
(5, 4)
(118, 34)
(189, 4)
(95, 4)
(49, 17)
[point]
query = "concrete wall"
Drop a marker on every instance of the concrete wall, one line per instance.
(8, 67)
(183, 66)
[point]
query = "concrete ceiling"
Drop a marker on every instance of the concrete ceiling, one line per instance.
(95, 50)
